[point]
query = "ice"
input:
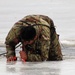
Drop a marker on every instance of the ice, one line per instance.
(63, 14)
(65, 67)
(61, 11)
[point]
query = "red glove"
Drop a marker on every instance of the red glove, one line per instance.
(23, 56)
(12, 58)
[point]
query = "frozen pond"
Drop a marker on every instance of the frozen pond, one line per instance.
(65, 67)
(63, 14)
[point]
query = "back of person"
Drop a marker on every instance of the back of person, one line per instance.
(45, 47)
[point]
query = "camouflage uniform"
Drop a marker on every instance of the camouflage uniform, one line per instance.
(47, 42)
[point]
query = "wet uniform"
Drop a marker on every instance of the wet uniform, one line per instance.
(45, 47)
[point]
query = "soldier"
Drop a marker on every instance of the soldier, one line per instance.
(39, 39)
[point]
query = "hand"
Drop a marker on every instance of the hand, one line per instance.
(23, 56)
(12, 58)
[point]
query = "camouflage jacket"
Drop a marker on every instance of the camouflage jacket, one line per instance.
(48, 43)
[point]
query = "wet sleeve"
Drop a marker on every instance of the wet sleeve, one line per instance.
(12, 40)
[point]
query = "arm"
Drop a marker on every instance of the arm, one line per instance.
(12, 40)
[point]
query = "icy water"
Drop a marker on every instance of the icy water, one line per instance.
(63, 14)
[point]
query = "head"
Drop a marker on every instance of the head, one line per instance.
(28, 33)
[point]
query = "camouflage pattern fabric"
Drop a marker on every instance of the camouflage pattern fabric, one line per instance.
(47, 42)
